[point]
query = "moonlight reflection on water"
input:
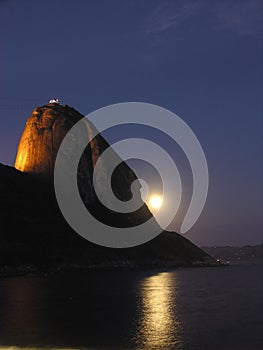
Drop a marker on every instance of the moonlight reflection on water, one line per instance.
(158, 324)
(193, 309)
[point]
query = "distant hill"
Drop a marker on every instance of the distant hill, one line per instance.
(237, 254)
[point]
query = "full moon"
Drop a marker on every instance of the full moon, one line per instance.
(155, 202)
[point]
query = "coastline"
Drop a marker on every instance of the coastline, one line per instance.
(34, 271)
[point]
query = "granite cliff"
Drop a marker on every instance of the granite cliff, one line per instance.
(44, 131)
(34, 232)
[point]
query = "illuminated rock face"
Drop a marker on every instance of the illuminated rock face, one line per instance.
(45, 129)
(42, 136)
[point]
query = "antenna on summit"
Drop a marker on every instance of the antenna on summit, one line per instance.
(54, 100)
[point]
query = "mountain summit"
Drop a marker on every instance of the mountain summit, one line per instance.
(39, 144)
(42, 136)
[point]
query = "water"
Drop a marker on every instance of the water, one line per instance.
(184, 309)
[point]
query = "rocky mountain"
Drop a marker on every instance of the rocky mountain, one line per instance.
(44, 131)
(34, 232)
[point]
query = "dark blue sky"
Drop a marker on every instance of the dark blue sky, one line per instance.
(200, 59)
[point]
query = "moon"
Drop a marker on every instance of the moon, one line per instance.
(155, 202)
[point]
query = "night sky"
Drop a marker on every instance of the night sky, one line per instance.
(200, 59)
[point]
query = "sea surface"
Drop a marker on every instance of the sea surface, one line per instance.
(217, 308)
